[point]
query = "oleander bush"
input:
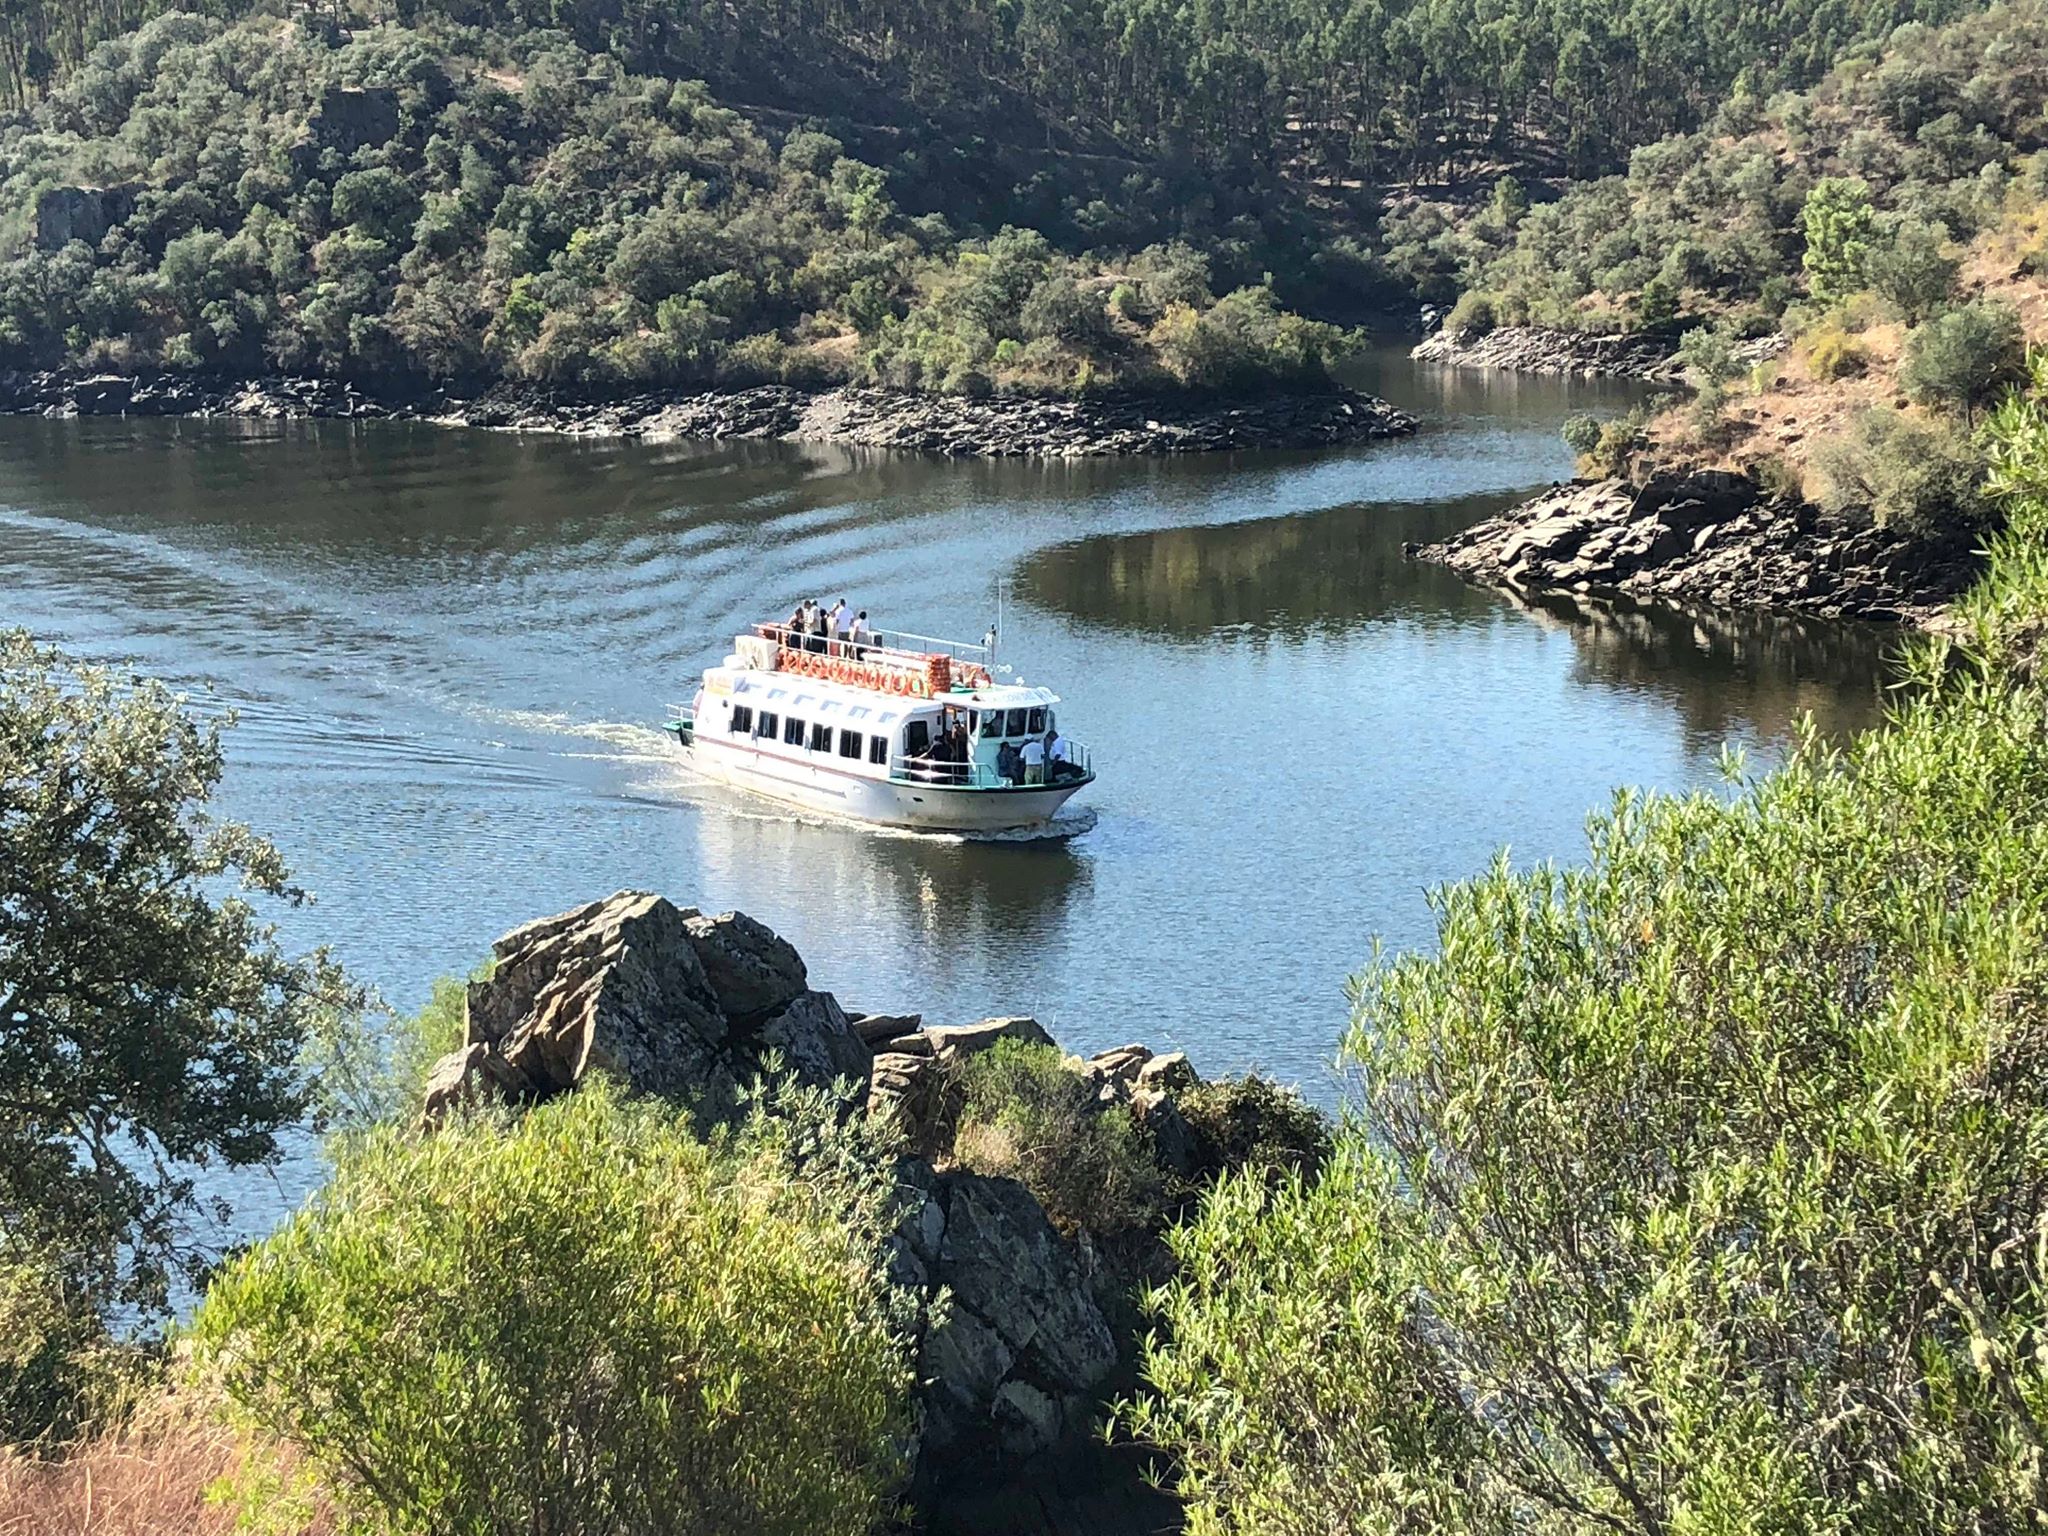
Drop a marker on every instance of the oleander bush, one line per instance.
(1698, 1188)
(583, 1319)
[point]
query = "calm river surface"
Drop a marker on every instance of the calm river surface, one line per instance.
(450, 651)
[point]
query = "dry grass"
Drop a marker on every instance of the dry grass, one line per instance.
(152, 1478)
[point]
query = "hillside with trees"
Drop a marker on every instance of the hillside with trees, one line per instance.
(1798, 198)
(625, 192)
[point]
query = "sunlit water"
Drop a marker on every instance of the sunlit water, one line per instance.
(451, 651)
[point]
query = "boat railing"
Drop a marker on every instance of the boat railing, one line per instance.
(875, 643)
(1079, 763)
(880, 658)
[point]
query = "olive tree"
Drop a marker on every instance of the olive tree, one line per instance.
(150, 1023)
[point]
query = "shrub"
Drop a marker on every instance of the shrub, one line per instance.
(1923, 477)
(1581, 434)
(1831, 353)
(1024, 1116)
(1913, 272)
(1696, 1189)
(1616, 445)
(1473, 316)
(584, 1319)
(1254, 1123)
(60, 1372)
(1965, 359)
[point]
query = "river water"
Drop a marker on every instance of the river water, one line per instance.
(450, 652)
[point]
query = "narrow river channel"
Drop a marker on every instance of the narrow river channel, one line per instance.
(450, 652)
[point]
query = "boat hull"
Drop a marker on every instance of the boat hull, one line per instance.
(885, 802)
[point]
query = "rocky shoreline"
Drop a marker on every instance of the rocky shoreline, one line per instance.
(1538, 349)
(1709, 538)
(951, 425)
(1027, 1332)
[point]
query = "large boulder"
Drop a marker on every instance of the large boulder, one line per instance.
(672, 1002)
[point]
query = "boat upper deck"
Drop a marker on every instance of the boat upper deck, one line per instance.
(879, 661)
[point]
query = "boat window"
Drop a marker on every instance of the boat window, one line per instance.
(821, 737)
(1016, 723)
(878, 750)
(742, 721)
(793, 731)
(917, 738)
(768, 725)
(1038, 722)
(849, 744)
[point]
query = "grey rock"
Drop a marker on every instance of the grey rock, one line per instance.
(84, 214)
(817, 1041)
(753, 971)
(875, 1028)
(1027, 1420)
(956, 1042)
(1171, 1073)
(1174, 1144)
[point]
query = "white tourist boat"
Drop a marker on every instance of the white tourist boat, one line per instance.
(900, 729)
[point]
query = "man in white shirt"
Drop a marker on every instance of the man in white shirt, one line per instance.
(1033, 753)
(861, 636)
(838, 622)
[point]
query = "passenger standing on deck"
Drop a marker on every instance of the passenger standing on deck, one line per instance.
(799, 621)
(821, 626)
(1059, 757)
(1009, 766)
(842, 625)
(861, 635)
(1033, 753)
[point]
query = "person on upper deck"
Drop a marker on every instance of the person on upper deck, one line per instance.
(842, 625)
(860, 635)
(799, 620)
(821, 626)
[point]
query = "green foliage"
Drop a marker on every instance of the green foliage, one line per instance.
(149, 1023)
(1025, 1116)
(1739, 220)
(1708, 352)
(592, 229)
(1473, 316)
(584, 1319)
(1691, 1190)
(1921, 476)
(1914, 271)
(1581, 434)
(60, 1372)
(1965, 359)
(1838, 223)
(1614, 445)
(1253, 1123)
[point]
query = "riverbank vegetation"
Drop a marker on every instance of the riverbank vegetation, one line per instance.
(1696, 1188)
(412, 205)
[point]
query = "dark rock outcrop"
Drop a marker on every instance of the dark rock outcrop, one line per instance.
(672, 1001)
(1026, 1333)
(953, 425)
(1714, 539)
(85, 214)
(1538, 349)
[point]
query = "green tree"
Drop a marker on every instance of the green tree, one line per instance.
(1913, 271)
(1966, 359)
(1838, 223)
(607, 1324)
(150, 1025)
(1921, 476)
